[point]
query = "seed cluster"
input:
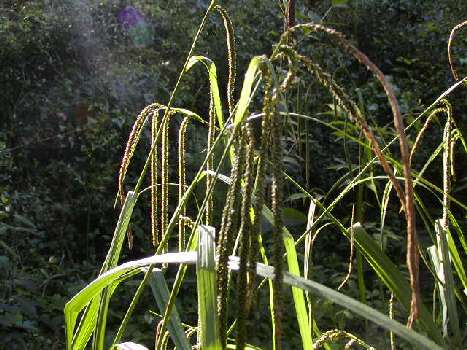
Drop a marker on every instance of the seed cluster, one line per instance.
(228, 228)
(244, 233)
(232, 55)
(155, 201)
(182, 181)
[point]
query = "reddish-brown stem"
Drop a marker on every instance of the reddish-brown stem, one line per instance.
(407, 200)
(290, 14)
(451, 39)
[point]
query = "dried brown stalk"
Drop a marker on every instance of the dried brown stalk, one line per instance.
(407, 200)
(291, 14)
(451, 39)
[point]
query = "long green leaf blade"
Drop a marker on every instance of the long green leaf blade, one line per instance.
(297, 293)
(115, 275)
(416, 339)
(90, 317)
(111, 261)
(212, 74)
(247, 87)
(447, 286)
(391, 276)
(206, 281)
(161, 294)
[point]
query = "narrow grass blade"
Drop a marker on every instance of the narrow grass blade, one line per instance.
(378, 260)
(212, 74)
(107, 279)
(247, 87)
(456, 260)
(86, 326)
(382, 265)
(113, 254)
(206, 282)
(90, 318)
(460, 233)
(191, 247)
(297, 293)
(391, 276)
(360, 212)
(264, 257)
(417, 340)
(161, 294)
(442, 264)
(188, 113)
(111, 261)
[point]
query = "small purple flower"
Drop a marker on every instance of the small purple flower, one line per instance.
(130, 17)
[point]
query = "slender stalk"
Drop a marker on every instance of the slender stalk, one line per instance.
(450, 41)
(290, 21)
(182, 182)
(154, 182)
(407, 197)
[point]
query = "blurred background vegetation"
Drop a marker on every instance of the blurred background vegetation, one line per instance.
(73, 77)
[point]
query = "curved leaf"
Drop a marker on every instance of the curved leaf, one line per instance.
(212, 74)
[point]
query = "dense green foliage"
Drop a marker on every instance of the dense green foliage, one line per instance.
(73, 79)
